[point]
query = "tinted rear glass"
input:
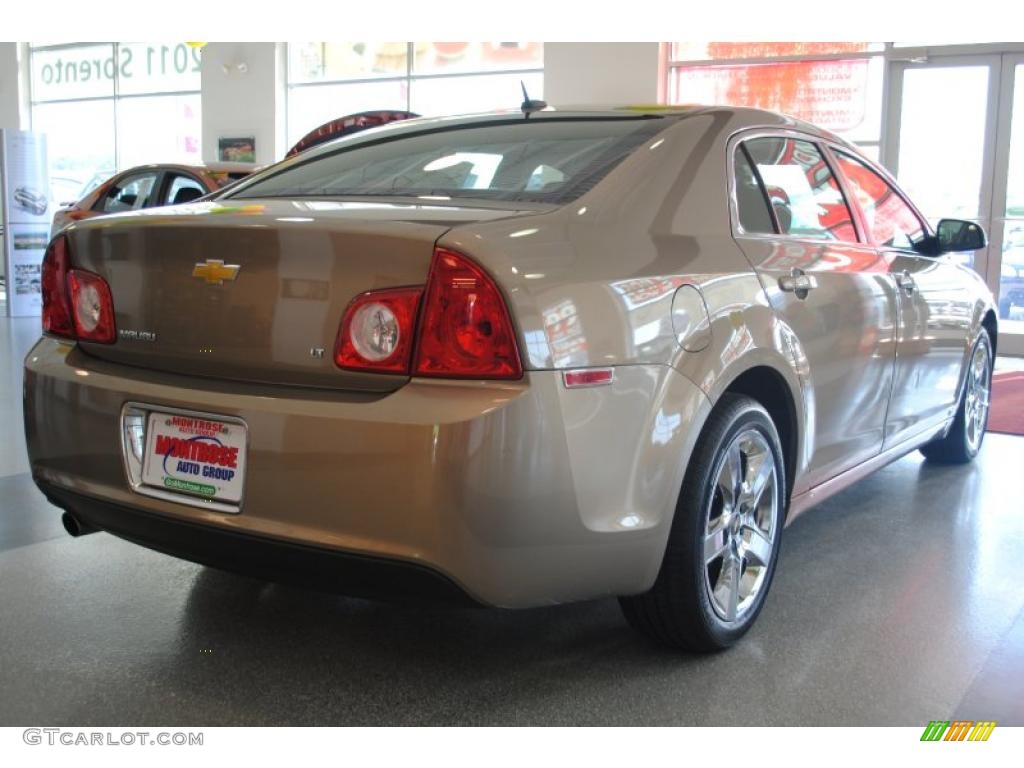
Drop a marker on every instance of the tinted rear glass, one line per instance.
(546, 160)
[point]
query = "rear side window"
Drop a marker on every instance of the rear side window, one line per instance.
(129, 194)
(801, 189)
(890, 221)
(751, 204)
(183, 189)
(540, 160)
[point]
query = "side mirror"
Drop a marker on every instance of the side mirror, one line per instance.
(959, 235)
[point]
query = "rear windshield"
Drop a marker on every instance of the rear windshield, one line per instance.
(541, 160)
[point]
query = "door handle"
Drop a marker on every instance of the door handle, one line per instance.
(797, 282)
(906, 282)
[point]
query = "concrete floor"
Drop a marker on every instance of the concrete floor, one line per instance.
(897, 602)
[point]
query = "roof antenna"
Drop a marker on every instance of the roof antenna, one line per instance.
(529, 106)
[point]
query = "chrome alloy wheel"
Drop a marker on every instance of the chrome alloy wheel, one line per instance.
(977, 395)
(739, 533)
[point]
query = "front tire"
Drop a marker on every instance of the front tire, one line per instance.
(724, 541)
(963, 441)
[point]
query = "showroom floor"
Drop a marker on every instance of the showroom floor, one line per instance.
(896, 602)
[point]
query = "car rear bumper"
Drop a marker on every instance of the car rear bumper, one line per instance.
(518, 494)
(272, 559)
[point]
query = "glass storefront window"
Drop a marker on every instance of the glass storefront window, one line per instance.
(80, 145)
(81, 72)
(330, 80)
(708, 51)
(163, 129)
(842, 95)
(122, 69)
(432, 58)
(474, 93)
(317, 62)
(836, 85)
(147, 68)
(312, 106)
(105, 107)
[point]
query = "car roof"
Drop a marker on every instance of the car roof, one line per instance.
(217, 167)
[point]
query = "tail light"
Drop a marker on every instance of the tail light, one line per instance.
(92, 307)
(456, 327)
(56, 305)
(465, 329)
(377, 331)
(76, 304)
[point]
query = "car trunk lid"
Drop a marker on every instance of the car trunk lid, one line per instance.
(182, 307)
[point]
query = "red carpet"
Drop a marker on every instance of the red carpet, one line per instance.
(1007, 412)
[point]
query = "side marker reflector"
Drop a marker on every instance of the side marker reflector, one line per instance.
(587, 377)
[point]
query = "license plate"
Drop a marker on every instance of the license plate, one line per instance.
(195, 455)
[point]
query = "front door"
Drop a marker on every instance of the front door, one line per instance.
(936, 312)
(935, 309)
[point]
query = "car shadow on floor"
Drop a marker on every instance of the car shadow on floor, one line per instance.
(322, 658)
(344, 660)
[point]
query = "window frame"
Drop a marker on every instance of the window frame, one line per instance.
(823, 145)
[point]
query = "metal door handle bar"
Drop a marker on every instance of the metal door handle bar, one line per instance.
(797, 282)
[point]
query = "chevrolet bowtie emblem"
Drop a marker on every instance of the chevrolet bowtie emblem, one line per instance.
(215, 271)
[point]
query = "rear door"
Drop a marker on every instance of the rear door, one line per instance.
(935, 305)
(831, 293)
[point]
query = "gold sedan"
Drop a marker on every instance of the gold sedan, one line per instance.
(515, 359)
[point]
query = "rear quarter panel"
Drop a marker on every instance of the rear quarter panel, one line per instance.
(593, 283)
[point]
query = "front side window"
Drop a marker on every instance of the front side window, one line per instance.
(890, 221)
(129, 194)
(182, 189)
(538, 160)
(801, 189)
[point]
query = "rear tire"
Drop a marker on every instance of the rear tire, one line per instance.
(725, 535)
(963, 441)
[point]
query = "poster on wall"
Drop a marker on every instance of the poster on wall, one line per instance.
(24, 284)
(237, 150)
(24, 189)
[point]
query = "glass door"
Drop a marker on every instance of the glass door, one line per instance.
(941, 139)
(955, 140)
(1007, 232)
